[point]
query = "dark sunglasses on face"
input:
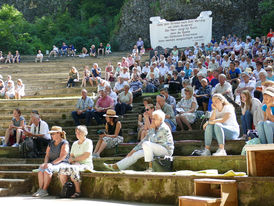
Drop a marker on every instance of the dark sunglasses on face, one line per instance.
(147, 109)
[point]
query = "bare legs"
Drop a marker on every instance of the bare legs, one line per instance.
(64, 179)
(44, 180)
(9, 132)
(100, 146)
(180, 119)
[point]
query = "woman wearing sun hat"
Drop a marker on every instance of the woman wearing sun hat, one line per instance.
(57, 154)
(266, 127)
(112, 135)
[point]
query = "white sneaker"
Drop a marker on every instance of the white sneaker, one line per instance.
(206, 152)
(36, 193)
(220, 152)
(42, 193)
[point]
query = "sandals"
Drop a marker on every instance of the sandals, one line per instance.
(75, 195)
(110, 167)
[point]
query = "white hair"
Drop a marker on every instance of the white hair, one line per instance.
(83, 129)
(36, 116)
(160, 114)
(263, 72)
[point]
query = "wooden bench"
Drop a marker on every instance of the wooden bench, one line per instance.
(260, 159)
(212, 192)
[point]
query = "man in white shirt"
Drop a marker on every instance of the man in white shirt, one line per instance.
(243, 64)
(226, 62)
(155, 70)
(202, 69)
(162, 71)
(213, 65)
(39, 131)
(145, 70)
(119, 85)
(223, 87)
(247, 84)
(39, 56)
(258, 70)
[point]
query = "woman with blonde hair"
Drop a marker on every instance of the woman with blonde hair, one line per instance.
(86, 75)
(266, 127)
(186, 109)
(57, 155)
(73, 77)
(19, 89)
(222, 125)
(251, 112)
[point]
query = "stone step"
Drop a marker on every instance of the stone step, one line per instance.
(194, 163)
(182, 148)
(4, 192)
(18, 167)
(163, 188)
(15, 174)
(9, 183)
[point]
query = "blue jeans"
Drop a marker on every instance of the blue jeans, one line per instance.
(172, 125)
(151, 88)
(220, 132)
(266, 131)
(247, 120)
(85, 115)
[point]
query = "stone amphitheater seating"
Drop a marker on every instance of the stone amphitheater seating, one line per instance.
(46, 92)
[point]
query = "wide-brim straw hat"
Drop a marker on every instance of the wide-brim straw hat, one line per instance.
(56, 129)
(110, 113)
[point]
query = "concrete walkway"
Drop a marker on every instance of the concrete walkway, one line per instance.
(52, 201)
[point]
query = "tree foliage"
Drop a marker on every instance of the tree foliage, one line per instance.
(84, 22)
(263, 20)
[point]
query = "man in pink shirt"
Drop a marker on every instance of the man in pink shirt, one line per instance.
(104, 103)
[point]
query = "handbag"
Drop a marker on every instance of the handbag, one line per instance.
(162, 164)
(26, 149)
(68, 190)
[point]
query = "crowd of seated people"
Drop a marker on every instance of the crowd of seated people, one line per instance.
(10, 58)
(215, 77)
(10, 90)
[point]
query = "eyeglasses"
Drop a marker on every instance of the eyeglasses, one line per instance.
(268, 70)
(147, 109)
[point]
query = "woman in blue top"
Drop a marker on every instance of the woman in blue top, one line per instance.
(15, 128)
(266, 127)
(57, 155)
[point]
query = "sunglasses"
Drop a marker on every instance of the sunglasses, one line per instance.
(147, 110)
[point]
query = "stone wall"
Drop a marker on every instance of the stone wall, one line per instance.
(229, 16)
(33, 8)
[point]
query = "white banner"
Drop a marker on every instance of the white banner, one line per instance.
(181, 33)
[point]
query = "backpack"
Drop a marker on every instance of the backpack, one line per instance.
(162, 165)
(68, 190)
(27, 148)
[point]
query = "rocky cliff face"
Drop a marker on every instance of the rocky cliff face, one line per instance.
(34, 8)
(229, 16)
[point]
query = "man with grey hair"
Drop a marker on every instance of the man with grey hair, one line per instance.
(83, 109)
(39, 131)
(223, 87)
(158, 142)
(170, 119)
